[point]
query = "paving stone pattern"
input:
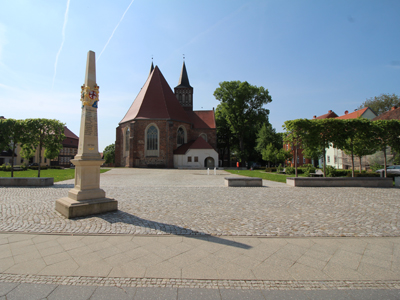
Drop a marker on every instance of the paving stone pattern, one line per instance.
(196, 283)
(190, 202)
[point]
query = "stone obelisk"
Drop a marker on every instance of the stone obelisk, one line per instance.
(86, 198)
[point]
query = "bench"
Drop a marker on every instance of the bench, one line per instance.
(318, 173)
(243, 181)
(282, 172)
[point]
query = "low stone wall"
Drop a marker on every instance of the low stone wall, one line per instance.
(339, 182)
(243, 181)
(26, 181)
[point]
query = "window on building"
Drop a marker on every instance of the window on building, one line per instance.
(152, 141)
(328, 158)
(180, 139)
(334, 159)
(204, 136)
(304, 160)
(127, 135)
(196, 159)
(189, 159)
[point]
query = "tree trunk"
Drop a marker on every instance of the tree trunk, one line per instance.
(12, 159)
(40, 158)
(295, 161)
(352, 164)
(324, 162)
(384, 160)
(360, 163)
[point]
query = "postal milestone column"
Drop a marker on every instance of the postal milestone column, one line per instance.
(86, 198)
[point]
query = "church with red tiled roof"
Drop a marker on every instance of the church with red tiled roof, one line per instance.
(160, 129)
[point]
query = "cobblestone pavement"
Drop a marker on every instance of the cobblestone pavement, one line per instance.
(192, 202)
(198, 283)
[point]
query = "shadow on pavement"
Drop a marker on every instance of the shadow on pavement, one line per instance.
(123, 217)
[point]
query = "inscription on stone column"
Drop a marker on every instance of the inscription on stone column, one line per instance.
(91, 123)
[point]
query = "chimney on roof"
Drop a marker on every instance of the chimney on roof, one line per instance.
(314, 117)
(329, 111)
(394, 107)
(346, 112)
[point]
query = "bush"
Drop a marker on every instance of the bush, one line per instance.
(55, 167)
(8, 168)
(331, 171)
(3, 167)
(289, 170)
(36, 167)
(272, 169)
(375, 167)
(279, 168)
(362, 174)
(307, 169)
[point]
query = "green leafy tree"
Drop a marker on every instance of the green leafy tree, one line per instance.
(382, 103)
(225, 138)
(387, 135)
(11, 134)
(351, 137)
(44, 133)
(244, 112)
(268, 143)
(109, 153)
(27, 151)
(296, 132)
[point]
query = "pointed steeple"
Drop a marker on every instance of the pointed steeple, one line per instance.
(184, 79)
(152, 67)
(183, 91)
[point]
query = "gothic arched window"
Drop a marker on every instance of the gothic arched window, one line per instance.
(127, 134)
(180, 139)
(152, 141)
(204, 136)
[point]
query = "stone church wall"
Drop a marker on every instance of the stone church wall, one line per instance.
(136, 156)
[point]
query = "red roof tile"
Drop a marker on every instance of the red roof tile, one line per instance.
(199, 143)
(354, 115)
(69, 134)
(329, 115)
(389, 115)
(202, 118)
(156, 101)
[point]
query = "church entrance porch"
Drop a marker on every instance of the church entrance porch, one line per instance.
(209, 162)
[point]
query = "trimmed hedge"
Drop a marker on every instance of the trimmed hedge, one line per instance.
(37, 167)
(272, 169)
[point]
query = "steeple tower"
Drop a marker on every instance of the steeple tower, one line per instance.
(152, 66)
(183, 91)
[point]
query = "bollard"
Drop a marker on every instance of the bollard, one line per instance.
(208, 171)
(215, 171)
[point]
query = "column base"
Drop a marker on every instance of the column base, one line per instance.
(71, 208)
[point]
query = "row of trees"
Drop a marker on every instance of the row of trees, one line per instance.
(31, 135)
(356, 137)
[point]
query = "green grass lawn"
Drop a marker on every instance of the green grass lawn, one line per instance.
(263, 175)
(58, 175)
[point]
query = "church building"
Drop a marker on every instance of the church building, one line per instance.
(162, 130)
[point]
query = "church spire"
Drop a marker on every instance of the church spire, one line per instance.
(152, 66)
(184, 79)
(184, 92)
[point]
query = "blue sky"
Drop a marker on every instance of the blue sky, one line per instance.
(312, 56)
